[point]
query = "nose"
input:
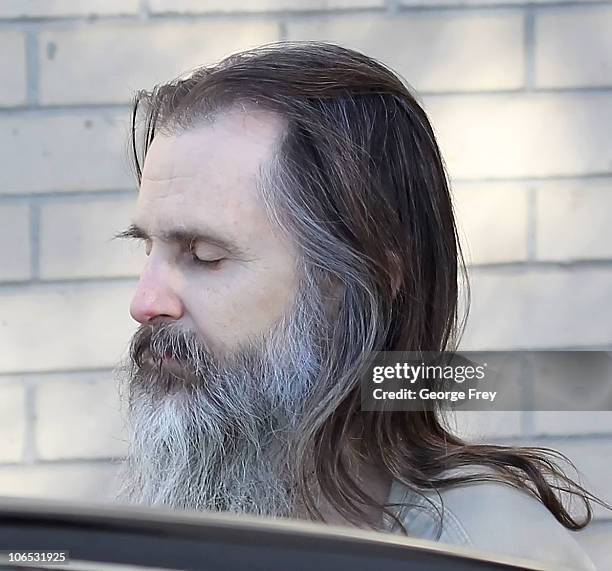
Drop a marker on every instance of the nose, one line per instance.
(154, 297)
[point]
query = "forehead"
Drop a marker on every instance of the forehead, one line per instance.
(207, 176)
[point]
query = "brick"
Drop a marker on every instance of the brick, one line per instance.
(478, 426)
(119, 57)
(12, 68)
(431, 3)
(61, 327)
(64, 153)
(62, 8)
(492, 221)
(425, 64)
(572, 220)
(15, 230)
(559, 423)
(198, 7)
(93, 482)
(574, 47)
(79, 419)
(539, 309)
(572, 381)
(12, 422)
(76, 240)
(523, 135)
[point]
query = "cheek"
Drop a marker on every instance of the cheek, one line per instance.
(245, 304)
(266, 302)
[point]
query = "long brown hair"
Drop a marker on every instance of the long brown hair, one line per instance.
(360, 186)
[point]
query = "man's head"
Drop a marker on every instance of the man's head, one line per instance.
(296, 217)
(216, 263)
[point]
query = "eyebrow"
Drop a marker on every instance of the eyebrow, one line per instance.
(184, 236)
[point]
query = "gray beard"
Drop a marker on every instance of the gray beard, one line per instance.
(221, 435)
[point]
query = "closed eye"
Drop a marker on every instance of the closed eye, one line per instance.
(209, 251)
(210, 263)
(207, 263)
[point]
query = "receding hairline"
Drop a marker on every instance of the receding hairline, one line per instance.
(275, 132)
(247, 109)
(203, 117)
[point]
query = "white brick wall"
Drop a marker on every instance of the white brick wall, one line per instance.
(199, 7)
(573, 220)
(520, 94)
(558, 423)
(524, 135)
(85, 229)
(15, 229)
(492, 219)
(90, 482)
(539, 309)
(72, 326)
(499, 66)
(467, 3)
(67, 152)
(12, 68)
(92, 405)
(121, 59)
(60, 8)
(478, 425)
(574, 47)
(12, 421)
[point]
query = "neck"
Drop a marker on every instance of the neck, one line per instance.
(373, 481)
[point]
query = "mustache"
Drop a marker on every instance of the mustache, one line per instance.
(167, 350)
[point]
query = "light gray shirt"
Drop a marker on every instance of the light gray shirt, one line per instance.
(490, 517)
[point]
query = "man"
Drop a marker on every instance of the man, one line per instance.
(296, 217)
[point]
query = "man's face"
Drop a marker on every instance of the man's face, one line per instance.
(215, 265)
(229, 352)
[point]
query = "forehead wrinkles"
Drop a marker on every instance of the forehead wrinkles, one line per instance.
(218, 163)
(247, 129)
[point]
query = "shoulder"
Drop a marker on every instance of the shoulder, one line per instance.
(494, 517)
